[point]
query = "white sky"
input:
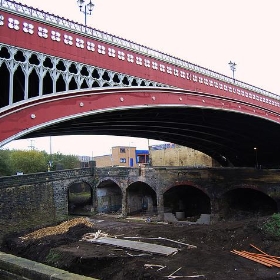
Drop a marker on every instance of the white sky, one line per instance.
(204, 32)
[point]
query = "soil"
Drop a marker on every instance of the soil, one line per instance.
(212, 258)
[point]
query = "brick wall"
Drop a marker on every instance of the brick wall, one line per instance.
(103, 161)
(120, 157)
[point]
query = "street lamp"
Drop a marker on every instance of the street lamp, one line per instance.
(232, 66)
(256, 154)
(85, 8)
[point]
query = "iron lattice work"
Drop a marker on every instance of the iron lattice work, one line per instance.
(27, 74)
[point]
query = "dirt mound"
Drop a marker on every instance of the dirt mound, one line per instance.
(59, 229)
(211, 259)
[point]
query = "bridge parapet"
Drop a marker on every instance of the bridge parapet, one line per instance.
(112, 172)
(43, 177)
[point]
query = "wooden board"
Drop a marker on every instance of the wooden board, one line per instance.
(135, 245)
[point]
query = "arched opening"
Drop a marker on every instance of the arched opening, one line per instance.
(19, 56)
(73, 85)
(95, 74)
(84, 84)
(125, 81)
(84, 71)
(73, 69)
(106, 77)
(141, 198)
(47, 84)
(4, 52)
(48, 63)
(60, 66)
(79, 199)
(33, 84)
(18, 85)
(34, 59)
(5, 85)
(134, 82)
(95, 84)
(186, 202)
(242, 203)
(116, 79)
(109, 197)
(60, 84)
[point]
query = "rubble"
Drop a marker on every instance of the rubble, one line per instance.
(54, 230)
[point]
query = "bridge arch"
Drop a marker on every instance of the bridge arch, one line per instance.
(141, 198)
(240, 202)
(80, 198)
(108, 196)
(187, 198)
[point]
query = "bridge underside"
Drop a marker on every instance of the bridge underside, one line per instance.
(232, 139)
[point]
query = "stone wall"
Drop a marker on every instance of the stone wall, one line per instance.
(35, 200)
(44, 177)
(180, 156)
(26, 206)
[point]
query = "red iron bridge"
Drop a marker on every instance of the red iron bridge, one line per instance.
(59, 77)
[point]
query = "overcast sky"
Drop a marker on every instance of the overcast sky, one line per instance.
(204, 32)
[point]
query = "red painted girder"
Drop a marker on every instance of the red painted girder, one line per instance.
(29, 116)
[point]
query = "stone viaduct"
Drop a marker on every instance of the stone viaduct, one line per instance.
(30, 201)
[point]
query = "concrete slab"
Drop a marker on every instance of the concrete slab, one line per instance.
(135, 245)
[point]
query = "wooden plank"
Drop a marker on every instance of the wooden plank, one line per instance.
(135, 245)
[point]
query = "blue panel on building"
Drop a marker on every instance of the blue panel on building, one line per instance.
(142, 152)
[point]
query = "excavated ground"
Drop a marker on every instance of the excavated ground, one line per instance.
(212, 257)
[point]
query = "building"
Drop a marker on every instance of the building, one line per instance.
(84, 161)
(167, 154)
(126, 156)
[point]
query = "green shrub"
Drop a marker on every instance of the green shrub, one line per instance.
(53, 258)
(272, 226)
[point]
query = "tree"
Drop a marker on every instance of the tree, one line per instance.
(60, 161)
(28, 161)
(5, 165)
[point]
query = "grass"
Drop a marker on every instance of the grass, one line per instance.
(272, 226)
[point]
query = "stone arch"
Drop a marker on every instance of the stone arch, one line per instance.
(189, 200)
(141, 198)
(244, 201)
(108, 196)
(80, 198)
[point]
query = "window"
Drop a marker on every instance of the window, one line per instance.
(122, 160)
(122, 150)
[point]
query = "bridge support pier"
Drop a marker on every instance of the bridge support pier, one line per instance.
(215, 208)
(160, 206)
(124, 203)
